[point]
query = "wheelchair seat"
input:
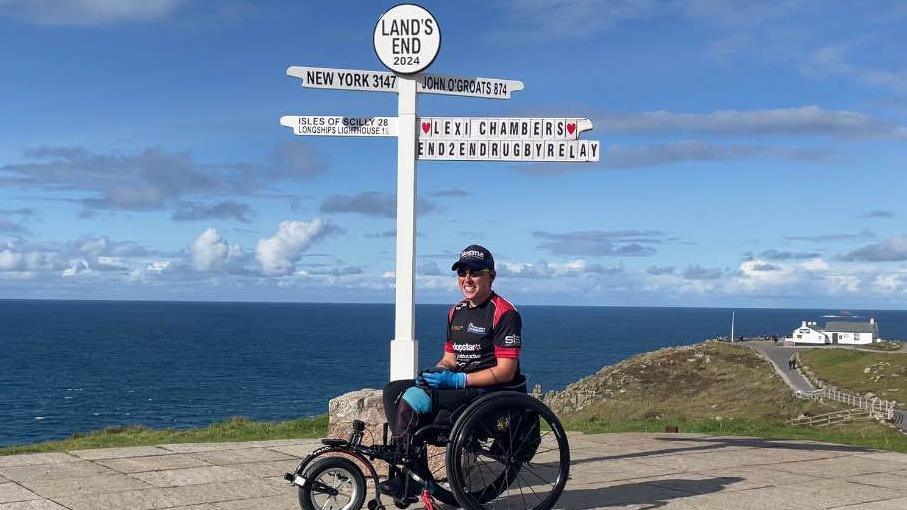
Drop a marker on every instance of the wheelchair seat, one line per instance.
(444, 419)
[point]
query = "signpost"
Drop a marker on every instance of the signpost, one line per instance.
(406, 40)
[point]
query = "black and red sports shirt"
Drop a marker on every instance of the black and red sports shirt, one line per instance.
(479, 335)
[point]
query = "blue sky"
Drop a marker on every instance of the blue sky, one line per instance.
(753, 153)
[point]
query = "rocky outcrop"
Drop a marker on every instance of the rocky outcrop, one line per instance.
(640, 371)
(365, 405)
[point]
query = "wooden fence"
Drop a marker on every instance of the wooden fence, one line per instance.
(822, 420)
(873, 406)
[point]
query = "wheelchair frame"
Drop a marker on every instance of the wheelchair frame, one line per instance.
(391, 454)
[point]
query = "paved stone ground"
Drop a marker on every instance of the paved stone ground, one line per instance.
(676, 471)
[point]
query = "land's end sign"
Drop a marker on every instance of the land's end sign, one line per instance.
(407, 39)
(335, 125)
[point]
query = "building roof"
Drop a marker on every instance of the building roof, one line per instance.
(851, 327)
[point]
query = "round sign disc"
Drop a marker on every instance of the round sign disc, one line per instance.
(407, 39)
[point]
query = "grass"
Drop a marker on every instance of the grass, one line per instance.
(712, 388)
(884, 345)
(884, 374)
(233, 429)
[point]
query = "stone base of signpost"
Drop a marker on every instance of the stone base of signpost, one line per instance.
(368, 405)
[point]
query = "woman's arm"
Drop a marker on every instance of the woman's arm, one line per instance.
(449, 361)
(502, 373)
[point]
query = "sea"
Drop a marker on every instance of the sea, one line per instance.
(78, 366)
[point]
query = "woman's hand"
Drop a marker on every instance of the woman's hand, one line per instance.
(445, 380)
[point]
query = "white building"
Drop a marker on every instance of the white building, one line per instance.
(837, 332)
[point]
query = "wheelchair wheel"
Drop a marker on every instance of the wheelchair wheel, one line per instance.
(510, 450)
(428, 467)
(339, 474)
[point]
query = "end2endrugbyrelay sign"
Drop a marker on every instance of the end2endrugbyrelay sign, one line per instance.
(407, 39)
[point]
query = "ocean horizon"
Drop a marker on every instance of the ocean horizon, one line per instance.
(79, 365)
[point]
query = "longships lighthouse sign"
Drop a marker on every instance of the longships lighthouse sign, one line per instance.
(407, 39)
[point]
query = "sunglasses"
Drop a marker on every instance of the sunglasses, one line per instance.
(475, 273)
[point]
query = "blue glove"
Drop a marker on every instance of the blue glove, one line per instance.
(445, 380)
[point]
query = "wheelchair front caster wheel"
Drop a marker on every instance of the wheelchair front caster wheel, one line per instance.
(333, 482)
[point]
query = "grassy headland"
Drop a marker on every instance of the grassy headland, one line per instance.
(234, 429)
(883, 374)
(714, 388)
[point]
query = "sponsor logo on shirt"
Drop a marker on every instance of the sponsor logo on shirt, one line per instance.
(456, 327)
(467, 347)
(472, 328)
(512, 340)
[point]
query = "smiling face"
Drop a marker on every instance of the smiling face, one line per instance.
(476, 287)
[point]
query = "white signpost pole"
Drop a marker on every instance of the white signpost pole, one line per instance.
(404, 346)
(406, 40)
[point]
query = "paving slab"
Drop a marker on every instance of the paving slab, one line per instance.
(268, 469)
(282, 502)
(190, 476)
(169, 497)
(119, 453)
(156, 463)
(635, 470)
(243, 456)
(31, 459)
(52, 488)
(36, 504)
(887, 504)
(54, 471)
(11, 492)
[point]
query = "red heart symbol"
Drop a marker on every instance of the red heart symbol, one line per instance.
(425, 127)
(571, 127)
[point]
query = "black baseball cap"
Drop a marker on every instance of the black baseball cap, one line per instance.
(474, 257)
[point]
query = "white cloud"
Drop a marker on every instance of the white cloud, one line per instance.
(832, 61)
(89, 12)
(277, 255)
(210, 252)
(155, 179)
(890, 250)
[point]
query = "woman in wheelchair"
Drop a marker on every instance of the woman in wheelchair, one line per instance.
(502, 445)
(481, 355)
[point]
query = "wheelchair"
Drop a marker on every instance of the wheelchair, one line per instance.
(505, 449)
